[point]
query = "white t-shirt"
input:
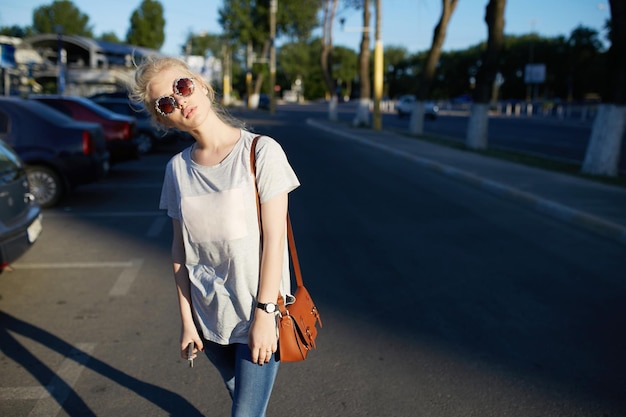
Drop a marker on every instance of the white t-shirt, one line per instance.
(216, 206)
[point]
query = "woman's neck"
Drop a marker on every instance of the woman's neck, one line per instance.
(213, 146)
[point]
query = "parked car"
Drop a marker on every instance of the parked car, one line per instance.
(121, 134)
(145, 125)
(20, 215)
(405, 105)
(59, 153)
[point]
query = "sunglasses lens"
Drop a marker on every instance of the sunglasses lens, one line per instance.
(183, 87)
(166, 105)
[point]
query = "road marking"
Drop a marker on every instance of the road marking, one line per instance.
(126, 185)
(130, 270)
(61, 385)
(69, 213)
(157, 227)
(65, 379)
(24, 393)
(126, 279)
(70, 265)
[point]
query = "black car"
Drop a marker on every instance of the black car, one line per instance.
(145, 125)
(121, 134)
(20, 216)
(59, 153)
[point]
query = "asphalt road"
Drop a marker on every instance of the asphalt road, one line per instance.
(438, 299)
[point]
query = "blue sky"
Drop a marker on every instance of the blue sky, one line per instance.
(407, 23)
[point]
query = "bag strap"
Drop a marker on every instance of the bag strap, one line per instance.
(292, 242)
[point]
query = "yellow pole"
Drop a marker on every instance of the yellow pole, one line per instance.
(273, 7)
(377, 123)
(378, 84)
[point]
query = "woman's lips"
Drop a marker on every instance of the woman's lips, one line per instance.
(188, 112)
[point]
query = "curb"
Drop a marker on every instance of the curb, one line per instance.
(558, 211)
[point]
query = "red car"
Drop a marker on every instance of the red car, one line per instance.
(122, 136)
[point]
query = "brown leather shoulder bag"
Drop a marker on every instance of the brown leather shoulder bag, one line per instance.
(297, 321)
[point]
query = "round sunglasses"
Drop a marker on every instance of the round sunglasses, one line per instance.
(165, 105)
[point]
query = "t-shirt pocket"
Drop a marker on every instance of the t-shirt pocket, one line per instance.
(218, 216)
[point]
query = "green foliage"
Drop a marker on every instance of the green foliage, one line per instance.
(204, 44)
(110, 37)
(147, 25)
(574, 67)
(346, 69)
(16, 31)
(245, 21)
(63, 16)
(296, 19)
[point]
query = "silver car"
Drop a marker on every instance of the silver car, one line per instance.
(405, 105)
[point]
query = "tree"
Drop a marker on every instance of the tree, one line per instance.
(110, 37)
(479, 118)
(416, 125)
(147, 25)
(326, 57)
(362, 117)
(603, 151)
(63, 16)
(200, 44)
(16, 31)
(345, 72)
(246, 23)
(396, 58)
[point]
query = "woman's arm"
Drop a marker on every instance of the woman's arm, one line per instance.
(262, 339)
(189, 333)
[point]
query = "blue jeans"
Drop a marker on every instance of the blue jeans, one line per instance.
(249, 384)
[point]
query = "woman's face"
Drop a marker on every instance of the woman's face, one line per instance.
(179, 100)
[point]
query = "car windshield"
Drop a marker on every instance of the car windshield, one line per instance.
(98, 109)
(47, 113)
(9, 161)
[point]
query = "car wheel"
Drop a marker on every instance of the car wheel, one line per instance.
(45, 185)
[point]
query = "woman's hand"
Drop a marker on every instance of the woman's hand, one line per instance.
(262, 339)
(189, 334)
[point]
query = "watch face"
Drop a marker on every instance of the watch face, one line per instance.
(270, 307)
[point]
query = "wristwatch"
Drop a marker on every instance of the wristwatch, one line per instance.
(267, 307)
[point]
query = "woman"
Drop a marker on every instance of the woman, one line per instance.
(227, 286)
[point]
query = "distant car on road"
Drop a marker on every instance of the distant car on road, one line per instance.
(20, 215)
(59, 153)
(405, 105)
(122, 137)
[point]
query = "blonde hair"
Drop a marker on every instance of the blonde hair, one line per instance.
(151, 66)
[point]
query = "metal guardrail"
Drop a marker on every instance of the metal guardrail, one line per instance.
(561, 111)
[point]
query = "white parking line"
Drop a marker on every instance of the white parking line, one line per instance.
(126, 279)
(69, 213)
(69, 265)
(61, 385)
(130, 270)
(65, 379)
(24, 393)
